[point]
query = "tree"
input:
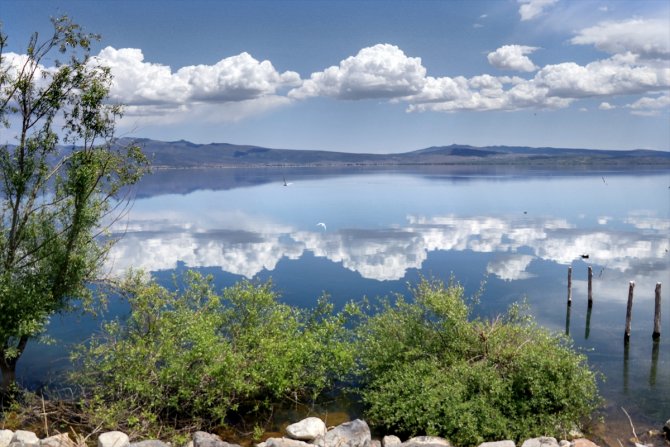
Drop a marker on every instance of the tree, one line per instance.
(62, 182)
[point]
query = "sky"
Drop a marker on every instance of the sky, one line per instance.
(377, 76)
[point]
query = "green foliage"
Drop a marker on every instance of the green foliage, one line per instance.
(427, 368)
(54, 201)
(423, 366)
(197, 355)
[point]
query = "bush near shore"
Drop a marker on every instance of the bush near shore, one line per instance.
(194, 359)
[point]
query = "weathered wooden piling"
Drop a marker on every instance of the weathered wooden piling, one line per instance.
(570, 286)
(590, 286)
(567, 319)
(587, 329)
(626, 353)
(654, 363)
(657, 313)
(629, 310)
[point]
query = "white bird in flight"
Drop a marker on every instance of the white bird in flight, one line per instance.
(321, 224)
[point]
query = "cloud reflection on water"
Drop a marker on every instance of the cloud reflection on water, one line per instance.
(510, 267)
(245, 245)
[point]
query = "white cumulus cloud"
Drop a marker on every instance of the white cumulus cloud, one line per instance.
(650, 106)
(553, 86)
(240, 86)
(233, 79)
(530, 9)
(12, 64)
(447, 94)
(512, 57)
(647, 38)
(381, 71)
(618, 75)
(137, 82)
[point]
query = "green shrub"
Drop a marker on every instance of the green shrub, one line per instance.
(190, 358)
(429, 369)
(194, 355)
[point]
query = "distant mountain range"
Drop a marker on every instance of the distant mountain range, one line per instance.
(184, 154)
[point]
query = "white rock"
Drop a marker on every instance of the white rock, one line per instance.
(204, 439)
(543, 441)
(113, 439)
(23, 438)
(149, 443)
(391, 441)
(6, 437)
(426, 441)
(506, 443)
(355, 433)
(307, 429)
(285, 442)
(59, 440)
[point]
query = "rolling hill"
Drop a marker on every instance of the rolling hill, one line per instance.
(184, 154)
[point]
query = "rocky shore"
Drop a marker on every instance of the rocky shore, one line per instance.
(310, 432)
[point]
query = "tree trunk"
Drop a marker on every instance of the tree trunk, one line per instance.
(8, 366)
(8, 369)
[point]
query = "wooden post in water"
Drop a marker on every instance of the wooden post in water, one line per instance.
(570, 286)
(657, 313)
(629, 311)
(654, 363)
(626, 348)
(590, 286)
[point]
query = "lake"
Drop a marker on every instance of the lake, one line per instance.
(368, 232)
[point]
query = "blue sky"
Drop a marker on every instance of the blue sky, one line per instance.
(378, 76)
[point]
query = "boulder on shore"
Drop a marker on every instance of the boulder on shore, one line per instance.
(350, 434)
(24, 438)
(204, 439)
(59, 440)
(543, 441)
(6, 437)
(426, 441)
(505, 443)
(283, 442)
(391, 441)
(113, 439)
(307, 430)
(149, 443)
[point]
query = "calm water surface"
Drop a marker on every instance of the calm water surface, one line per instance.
(517, 230)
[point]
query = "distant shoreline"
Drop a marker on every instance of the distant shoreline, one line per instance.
(183, 154)
(553, 164)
